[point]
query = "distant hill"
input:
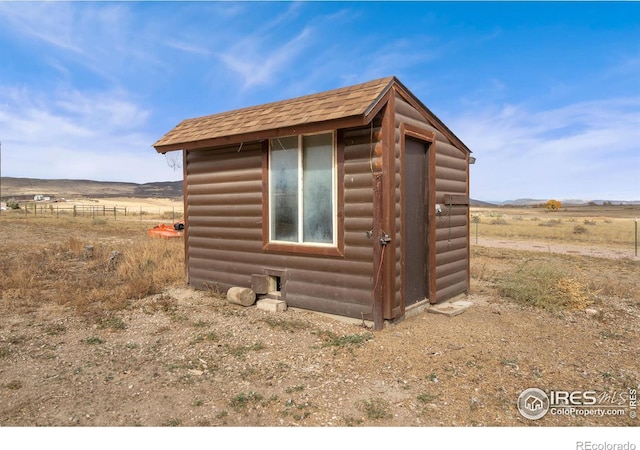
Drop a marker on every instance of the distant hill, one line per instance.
(480, 204)
(566, 202)
(21, 188)
(26, 188)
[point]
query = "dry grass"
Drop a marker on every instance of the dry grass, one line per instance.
(557, 281)
(99, 265)
(86, 265)
(554, 281)
(613, 230)
(546, 285)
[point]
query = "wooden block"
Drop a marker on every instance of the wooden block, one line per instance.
(271, 304)
(241, 296)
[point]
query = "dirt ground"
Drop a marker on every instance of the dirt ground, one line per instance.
(555, 247)
(189, 358)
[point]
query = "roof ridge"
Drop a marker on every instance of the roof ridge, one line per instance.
(320, 94)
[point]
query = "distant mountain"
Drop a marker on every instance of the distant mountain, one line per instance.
(21, 188)
(566, 202)
(522, 202)
(480, 204)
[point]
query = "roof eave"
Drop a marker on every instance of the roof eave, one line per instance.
(344, 122)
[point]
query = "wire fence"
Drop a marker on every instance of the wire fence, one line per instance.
(81, 210)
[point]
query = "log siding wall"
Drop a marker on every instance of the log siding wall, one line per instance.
(449, 271)
(224, 214)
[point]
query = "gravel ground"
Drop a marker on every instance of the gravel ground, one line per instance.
(189, 358)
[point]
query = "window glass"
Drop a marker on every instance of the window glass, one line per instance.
(317, 188)
(284, 189)
(301, 189)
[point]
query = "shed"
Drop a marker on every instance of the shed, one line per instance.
(353, 201)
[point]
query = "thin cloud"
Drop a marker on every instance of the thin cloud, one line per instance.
(97, 36)
(188, 48)
(269, 51)
(258, 66)
(112, 111)
(50, 22)
(69, 134)
(582, 149)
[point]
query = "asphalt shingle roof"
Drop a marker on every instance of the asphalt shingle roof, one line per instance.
(351, 101)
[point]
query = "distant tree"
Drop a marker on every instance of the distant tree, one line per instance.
(553, 205)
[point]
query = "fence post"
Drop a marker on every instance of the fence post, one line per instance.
(636, 234)
(476, 219)
(114, 213)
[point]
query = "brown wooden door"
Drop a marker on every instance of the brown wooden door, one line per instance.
(415, 221)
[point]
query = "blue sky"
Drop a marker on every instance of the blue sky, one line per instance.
(546, 94)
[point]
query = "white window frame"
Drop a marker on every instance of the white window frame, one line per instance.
(334, 193)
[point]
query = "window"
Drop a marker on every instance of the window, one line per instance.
(302, 190)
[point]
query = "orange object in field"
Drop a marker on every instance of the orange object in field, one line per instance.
(167, 231)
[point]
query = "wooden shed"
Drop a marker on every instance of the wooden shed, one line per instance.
(353, 201)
